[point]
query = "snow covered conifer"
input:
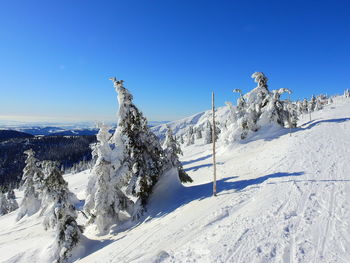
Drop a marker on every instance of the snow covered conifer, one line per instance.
(319, 105)
(11, 200)
(59, 211)
(31, 179)
(137, 153)
(172, 150)
(208, 138)
(199, 133)
(305, 107)
(3, 203)
(312, 104)
(190, 135)
(105, 200)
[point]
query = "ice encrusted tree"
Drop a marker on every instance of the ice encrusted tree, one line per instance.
(105, 202)
(172, 151)
(59, 212)
(11, 200)
(32, 177)
(137, 154)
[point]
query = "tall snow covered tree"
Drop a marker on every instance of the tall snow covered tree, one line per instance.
(59, 211)
(105, 202)
(172, 150)
(32, 177)
(137, 154)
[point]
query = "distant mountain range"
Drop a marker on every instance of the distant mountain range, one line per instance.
(59, 130)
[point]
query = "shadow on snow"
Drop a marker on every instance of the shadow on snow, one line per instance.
(269, 135)
(199, 192)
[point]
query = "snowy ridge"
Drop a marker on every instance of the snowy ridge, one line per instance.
(280, 198)
(198, 120)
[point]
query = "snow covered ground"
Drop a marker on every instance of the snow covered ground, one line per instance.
(281, 198)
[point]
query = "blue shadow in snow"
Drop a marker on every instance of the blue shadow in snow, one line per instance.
(197, 160)
(200, 192)
(316, 122)
(261, 135)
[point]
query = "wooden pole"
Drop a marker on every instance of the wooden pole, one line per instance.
(290, 121)
(213, 138)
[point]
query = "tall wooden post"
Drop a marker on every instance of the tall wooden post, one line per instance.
(213, 138)
(290, 119)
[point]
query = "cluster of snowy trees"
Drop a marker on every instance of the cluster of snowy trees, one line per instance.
(8, 201)
(45, 191)
(129, 164)
(203, 133)
(261, 107)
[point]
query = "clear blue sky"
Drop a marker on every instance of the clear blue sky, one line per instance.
(56, 56)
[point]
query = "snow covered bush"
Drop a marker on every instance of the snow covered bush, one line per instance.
(32, 177)
(172, 150)
(59, 211)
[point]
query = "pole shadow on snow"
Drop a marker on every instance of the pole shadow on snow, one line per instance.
(186, 195)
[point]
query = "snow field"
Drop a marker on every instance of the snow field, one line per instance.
(280, 198)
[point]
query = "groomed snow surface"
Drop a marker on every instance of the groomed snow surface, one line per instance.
(281, 198)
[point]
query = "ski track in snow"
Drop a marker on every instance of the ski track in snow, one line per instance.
(284, 199)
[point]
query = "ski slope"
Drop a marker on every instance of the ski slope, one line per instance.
(281, 198)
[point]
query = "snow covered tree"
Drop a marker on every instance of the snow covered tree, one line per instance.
(137, 154)
(105, 201)
(319, 105)
(11, 200)
(32, 177)
(274, 111)
(3, 203)
(347, 93)
(190, 135)
(182, 139)
(208, 138)
(199, 133)
(59, 211)
(172, 150)
(312, 104)
(305, 107)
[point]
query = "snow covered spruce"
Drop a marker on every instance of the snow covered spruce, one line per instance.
(129, 164)
(59, 212)
(31, 180)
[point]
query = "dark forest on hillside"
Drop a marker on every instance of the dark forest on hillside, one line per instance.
(67, 150)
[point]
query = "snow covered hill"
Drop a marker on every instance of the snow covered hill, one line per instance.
(281, 198)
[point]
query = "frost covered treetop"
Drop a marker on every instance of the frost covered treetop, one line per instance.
(261, 79)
